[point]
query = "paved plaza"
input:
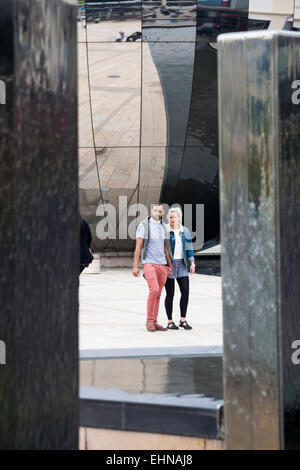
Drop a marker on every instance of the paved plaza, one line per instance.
(113, 316)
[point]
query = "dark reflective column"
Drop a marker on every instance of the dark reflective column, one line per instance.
(260, 197)
(39, 226)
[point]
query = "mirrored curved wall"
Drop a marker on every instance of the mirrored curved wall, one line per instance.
(148, 122)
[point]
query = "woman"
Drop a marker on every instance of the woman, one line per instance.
(86, 256)
(183, 254)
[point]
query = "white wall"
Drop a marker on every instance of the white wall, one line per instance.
(297, 14)
(272, 6)
(275, 10)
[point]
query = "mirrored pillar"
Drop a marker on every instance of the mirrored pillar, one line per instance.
(259, 111)
(39, 226)
(259, 125)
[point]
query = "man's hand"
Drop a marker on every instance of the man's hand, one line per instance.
(169, 268)
(136, 271)
(137, 254)
(192, 268)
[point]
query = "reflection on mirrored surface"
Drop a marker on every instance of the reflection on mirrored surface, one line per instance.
(197, 183)
(172, 21)
(89, 192)
(109, 176)
(81, 22)
(203, 118)
(179, 376)
(234, 4)
(212, 21)
(200, 165)
(214, 3)
(196, 173)
(162, 31)
(173, 168)
(84, 114)
(118, 172)
(174, 63)
(115, 79)
(154, 105)
(153, 165)
(114, 21)
(154, 118)
(169, 10)
(213, 18)
(160, 168)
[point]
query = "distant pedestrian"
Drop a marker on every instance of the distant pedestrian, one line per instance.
(183, 258)
(86, 256)
(120, 36)
(134, 36)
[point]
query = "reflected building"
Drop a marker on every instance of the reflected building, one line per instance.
(148, 120)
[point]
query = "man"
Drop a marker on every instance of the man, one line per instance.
(120, 36)
(153, 244)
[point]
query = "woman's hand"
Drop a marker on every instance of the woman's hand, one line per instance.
(192, 268)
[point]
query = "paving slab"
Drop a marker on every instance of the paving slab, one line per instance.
(113, 315)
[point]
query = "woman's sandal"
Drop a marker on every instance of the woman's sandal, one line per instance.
(172, 326)
(185, 325)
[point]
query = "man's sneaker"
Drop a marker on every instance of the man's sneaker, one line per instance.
(150, 326)
(160, 328)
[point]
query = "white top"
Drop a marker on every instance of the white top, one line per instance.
(178, 251)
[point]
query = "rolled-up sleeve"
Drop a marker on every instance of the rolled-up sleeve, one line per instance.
(140, 231)
(189, 246)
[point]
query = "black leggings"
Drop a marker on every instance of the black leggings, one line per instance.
(183, 283)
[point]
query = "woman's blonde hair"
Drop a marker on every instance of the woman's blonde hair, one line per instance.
(177, 211)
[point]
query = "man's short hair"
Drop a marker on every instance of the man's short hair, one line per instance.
(153, 204)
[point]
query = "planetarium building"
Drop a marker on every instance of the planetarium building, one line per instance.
(148, 118)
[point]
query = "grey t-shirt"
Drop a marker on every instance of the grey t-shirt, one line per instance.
(155, 250)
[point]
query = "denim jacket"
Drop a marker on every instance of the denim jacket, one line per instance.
(187, 245)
